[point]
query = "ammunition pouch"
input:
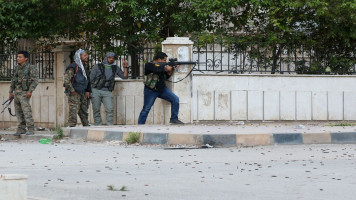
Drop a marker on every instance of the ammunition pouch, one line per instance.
(150, 81)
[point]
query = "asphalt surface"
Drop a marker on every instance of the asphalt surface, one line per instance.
(89, 170)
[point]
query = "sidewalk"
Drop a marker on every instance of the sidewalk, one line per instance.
(224, 134)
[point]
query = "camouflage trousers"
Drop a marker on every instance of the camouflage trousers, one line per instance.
(78, 106)
(23, 111)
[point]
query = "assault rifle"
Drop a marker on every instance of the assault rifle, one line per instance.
(8, 102)
(174, 63)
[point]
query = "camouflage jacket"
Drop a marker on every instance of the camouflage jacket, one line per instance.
(24, 78)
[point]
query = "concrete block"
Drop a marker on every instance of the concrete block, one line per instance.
(304, 105)
(189, 139)
(66, 131)
(138, 107)
(113, 135)
(157, 112)
(130, 107)
(253, 139)
(271, 105)
(238, 105)
(336, 105)
(44, 109)
(13, 187)
(155, 138)
(78, 133)
(255, 105)
(287, 138)
(287, 105)
(206, 102)
(52, 109)
(343, 138)
(225, 140)
(316, 138)
(96, 135)
(349, 106)
(320, 106)
(36, 108)
(222, 105)
(121, 110)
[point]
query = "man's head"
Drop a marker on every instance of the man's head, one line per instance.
(160, 57)
(109, 58)
(84, 57)
(22, 57)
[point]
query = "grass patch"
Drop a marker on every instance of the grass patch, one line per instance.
(342, 124)
(59, 133)
(134, 137)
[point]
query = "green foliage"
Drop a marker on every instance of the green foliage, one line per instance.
(326, 26)
(133, 138)
(59, 133)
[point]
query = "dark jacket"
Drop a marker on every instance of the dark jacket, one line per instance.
(160, 71)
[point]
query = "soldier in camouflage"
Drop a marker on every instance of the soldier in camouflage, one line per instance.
(23, 84)
(77, 86)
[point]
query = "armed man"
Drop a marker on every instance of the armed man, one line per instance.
(76, 81)
(155, 75)
(102, 79)
(23, 83)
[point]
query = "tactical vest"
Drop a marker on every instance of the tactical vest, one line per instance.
(79, 82)
(99, 81)
(25, 81)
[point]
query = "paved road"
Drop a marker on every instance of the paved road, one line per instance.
(85, 170)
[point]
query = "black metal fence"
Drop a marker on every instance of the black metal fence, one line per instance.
(259, 59)
(143, 55)
(44, 61)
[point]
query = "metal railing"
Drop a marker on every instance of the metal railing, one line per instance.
(259, 59)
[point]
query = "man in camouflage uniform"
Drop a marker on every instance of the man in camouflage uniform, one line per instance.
(23, 84)
(78, 89)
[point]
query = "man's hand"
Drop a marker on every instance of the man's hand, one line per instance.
(11, 95)
(87, 94)
(73, 93)
(28, 95)
(124, 63)
(169, 70)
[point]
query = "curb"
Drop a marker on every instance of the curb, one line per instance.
(221, 140)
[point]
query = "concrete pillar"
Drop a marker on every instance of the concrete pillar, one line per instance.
(182, 49)
(13, 186)
(62, 60)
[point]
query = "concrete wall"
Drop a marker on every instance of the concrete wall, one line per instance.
(273, 97)
(128, 102)
(42, 102)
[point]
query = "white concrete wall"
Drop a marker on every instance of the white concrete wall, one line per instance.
(42, 102)
(273, 97)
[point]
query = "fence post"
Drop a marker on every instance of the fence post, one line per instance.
(62, 60)
(182, 49)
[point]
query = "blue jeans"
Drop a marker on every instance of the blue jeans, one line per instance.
(149, 99)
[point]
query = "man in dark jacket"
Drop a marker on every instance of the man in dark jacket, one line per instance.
(159, 90)
(102, 79)
(77, 83)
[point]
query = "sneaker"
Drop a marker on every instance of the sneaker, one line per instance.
(17, 134)
(29, 133)
(176, 121)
